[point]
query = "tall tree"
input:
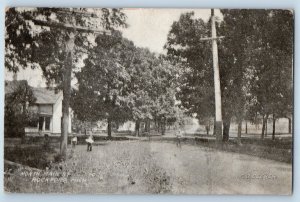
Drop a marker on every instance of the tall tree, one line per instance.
(37, 37)
(234, 62)
(140, 101)
(18, 98)
(121, 82)
(271, 81)
(103, 82)
(194, 57)
(163, 93)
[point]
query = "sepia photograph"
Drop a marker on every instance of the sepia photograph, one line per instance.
(148, 101)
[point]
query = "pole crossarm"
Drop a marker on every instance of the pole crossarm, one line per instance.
(211, 38)
(67, 26)
(78, 12)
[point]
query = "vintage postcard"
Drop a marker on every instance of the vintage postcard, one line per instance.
(148, 101)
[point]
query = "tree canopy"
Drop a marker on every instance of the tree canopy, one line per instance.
(54, 39)
(121, 82)
(17, 116)
(255, 63)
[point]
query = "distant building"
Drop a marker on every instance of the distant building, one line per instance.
(48, 107)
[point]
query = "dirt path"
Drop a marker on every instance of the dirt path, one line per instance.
(198, 170)
(142, 167)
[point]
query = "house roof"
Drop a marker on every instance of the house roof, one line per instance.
(45, 96)
(42, 95)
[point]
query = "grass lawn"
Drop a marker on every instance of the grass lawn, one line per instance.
(278, 149)
(143, 167)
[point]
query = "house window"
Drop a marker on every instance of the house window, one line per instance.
(41, 123)
(47, 123)
(44, 123)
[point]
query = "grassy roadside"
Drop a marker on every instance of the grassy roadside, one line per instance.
(278, 150)
(107, 169)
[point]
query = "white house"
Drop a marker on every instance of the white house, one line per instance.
(48, 106)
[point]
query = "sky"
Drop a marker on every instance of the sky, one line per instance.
(148, 28)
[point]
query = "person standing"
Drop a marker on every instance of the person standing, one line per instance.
(89, 141)
(74, 141)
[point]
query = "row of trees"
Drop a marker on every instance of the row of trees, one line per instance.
(255, 56)
(121, 82)
(118, 82)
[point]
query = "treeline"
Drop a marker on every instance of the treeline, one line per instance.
(256, 66)
(120, 82)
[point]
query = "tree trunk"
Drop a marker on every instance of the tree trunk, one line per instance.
(226, 125)
(263, 127)
(163, 126)
(65, 126)
(156, 124)
(246, 129)
(162, 132)
(109, 128)
(23, 125)
(214, 132)
(266, 130)
(137, 128)
(290, 125)
(147, 125)
(117, 125)
(274, 121)
(239, 135)
(207, 127)
(66, 95)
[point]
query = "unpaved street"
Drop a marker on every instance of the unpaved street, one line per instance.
(198, 170)
(153, 167)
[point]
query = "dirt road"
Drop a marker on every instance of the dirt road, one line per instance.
(198, 170)
(143, 167)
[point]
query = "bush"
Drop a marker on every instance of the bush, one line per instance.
(32, 156)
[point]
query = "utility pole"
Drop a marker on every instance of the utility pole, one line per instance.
(218, 103)
(217, 85)
(72, 29)
(67, 93)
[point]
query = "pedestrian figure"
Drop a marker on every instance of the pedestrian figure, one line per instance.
(178, 138)
(74, 141)
(179, 127)
(89, 143)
